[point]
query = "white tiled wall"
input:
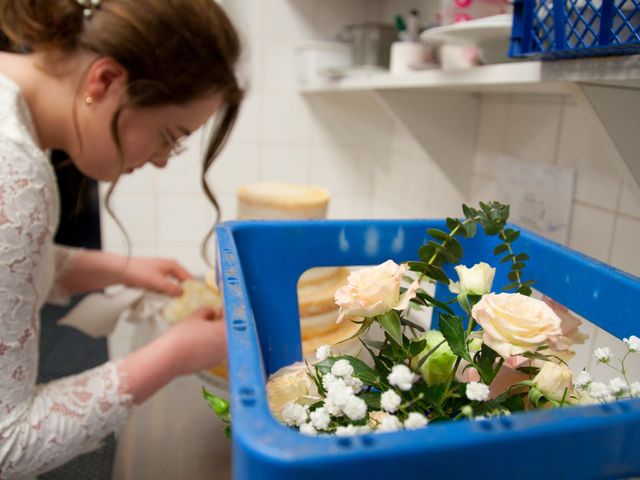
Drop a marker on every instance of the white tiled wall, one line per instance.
(371, 165)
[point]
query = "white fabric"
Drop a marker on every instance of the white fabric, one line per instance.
(41, 427)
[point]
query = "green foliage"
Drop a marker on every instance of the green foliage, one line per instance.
(435, 355)
(221, 408)
(453, 331)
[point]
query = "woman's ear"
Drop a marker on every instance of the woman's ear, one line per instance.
(105, 76)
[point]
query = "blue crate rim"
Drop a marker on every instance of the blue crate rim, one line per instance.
(246, 400)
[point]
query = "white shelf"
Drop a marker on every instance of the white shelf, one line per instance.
(527, 76)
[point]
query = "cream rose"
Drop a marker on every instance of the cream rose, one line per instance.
(477, 279)
(553, 380)
(373, 291)
(290, 384)
(514, 323)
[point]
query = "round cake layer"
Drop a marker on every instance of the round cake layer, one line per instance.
(315, 275)
(318, 297)
(342, 332)
(312, 325)
(282, 200)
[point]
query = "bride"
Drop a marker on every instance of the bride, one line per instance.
(115, 84)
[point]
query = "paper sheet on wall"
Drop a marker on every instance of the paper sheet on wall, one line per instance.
(541, 196)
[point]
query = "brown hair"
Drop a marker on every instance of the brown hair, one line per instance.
(173, 50)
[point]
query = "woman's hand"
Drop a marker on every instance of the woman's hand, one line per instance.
(198, 341)
(160, 275)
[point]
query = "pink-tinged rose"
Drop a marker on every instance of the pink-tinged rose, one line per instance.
(554, 380)
(372, 291)
(514, 324)
(505, 378)
(569, 324)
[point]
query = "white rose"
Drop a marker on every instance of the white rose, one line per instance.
(553, 380)
(373, 291)
(514, 324)
(477, 279)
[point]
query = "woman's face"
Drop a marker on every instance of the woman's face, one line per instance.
(147, 135)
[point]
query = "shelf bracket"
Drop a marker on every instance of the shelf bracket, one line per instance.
(614, 108)
(443, 123)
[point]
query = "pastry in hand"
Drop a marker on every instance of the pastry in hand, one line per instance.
(196, 294)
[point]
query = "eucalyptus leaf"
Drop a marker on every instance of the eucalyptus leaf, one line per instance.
(507, 258)
(438, 234)
(525, 290)
(436, 274)
(517, 266)
(500, 249)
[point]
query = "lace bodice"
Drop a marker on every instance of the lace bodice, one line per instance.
(40, 426)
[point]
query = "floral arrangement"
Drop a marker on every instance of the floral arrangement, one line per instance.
(493, 354)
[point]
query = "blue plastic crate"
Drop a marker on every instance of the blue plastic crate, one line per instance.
(555, 29)
(260, 263)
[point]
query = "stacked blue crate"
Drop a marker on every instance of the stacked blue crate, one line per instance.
(556, 29)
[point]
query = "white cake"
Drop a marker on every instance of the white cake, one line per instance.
(281, 200)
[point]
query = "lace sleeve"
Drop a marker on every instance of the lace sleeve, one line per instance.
(40, 427)
(63, 259)
(65, 418)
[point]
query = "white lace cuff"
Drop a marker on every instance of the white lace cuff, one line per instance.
(63, 259)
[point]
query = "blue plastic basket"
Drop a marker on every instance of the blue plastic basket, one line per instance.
(555, 29)
(260, 263)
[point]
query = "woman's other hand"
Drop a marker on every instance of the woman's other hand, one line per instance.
(160, 275)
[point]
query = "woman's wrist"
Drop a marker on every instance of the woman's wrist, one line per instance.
(150, 368)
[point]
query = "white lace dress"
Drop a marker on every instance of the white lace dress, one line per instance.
(41, 426)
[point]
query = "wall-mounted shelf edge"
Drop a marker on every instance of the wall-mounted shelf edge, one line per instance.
(525, 77)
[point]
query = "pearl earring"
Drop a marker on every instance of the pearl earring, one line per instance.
(88, 100)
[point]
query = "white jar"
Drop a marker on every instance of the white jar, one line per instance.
(318, 62)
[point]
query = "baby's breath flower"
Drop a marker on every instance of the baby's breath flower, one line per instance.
(354, 383)
(633, 343)
(307, 429)
(477, 391)
(415, 420)
(390, 423)
(599, 391)
(323, 352)
(617, 386)
(320, 418)
(402, 377)
(342, 368)
(583, 379)
(333, 408)
(602, 354)
(635, 389)
(294, 414)
(328, 380)
(350, 430)
(390, 401)
(347, 431)
(355, 408)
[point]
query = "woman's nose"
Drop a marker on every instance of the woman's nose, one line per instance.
(160, 161)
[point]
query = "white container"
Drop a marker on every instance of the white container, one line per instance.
(407, 57)
(319, 62)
